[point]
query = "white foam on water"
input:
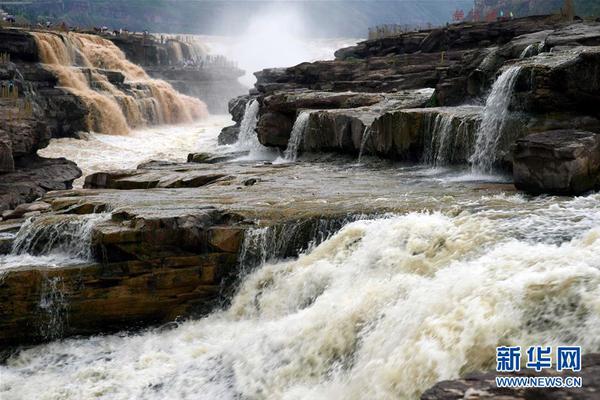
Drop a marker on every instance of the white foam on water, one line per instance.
(383, 309)
(100, 152)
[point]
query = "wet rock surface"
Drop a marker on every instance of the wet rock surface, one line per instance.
(237, 108)
(555, 89)
(170, 251)
(33, 177)
(561, 162)
(483, 386)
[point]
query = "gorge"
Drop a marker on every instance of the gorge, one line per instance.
(370, 227)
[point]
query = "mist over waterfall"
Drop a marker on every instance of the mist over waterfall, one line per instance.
(80, 62)
(275, 37)
(388, 200)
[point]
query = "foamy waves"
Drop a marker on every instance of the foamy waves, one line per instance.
(383, 309)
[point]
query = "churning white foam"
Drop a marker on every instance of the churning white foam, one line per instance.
(98, 152)
(382, 310)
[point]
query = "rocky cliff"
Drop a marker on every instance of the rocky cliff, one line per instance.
(456, 95)
(56, 84)
(183, 62)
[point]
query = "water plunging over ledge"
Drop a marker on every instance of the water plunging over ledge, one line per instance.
(377, 290)
(296, 136)
(82, 64)
(492, 126)
(53, 240)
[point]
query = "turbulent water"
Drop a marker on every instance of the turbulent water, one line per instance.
(53, 241)
(99, 152)
(79, 62)
(382, 310)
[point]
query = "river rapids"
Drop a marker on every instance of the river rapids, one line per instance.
(382, 309)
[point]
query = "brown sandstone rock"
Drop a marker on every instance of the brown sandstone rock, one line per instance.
(482, 386)
(560, 162)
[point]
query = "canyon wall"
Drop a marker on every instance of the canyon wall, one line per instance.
(462, 94)
(57, 84)
(184, 62)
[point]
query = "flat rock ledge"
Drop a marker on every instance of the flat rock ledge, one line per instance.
(483, 386)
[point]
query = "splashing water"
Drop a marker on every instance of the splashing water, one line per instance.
(494, 119)
(296, 136)
(54, 240)
(247, 139)
(383, 309)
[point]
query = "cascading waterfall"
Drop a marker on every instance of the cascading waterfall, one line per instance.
(440, 130)
(532, 50)
(78, 61)
(54, 240)
(297, 136)
(271, 243)
(247, 139)
(382, 309)
(54, 308)
(492, 126)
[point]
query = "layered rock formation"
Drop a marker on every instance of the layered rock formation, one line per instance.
(149, 256)
(558, 162)
(404, 97)
(58, 84)
(183, 63)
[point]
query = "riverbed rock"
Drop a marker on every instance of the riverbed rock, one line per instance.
(337, 120)
(480, 386)
(237, 109)
(171, 251)
(557, 162)
(565, 80)
(34, 176)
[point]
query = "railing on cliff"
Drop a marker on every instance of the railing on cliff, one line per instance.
(391, 30)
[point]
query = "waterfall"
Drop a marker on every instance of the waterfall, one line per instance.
(67, 236)
(363, 142)
(297, 136)
(532, 50)
(495, 114)
(54, 308)
(79, 62)
(268, 244)
(247, 139)
(437, 152)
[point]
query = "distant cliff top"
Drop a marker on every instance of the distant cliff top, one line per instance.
(333, 18)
